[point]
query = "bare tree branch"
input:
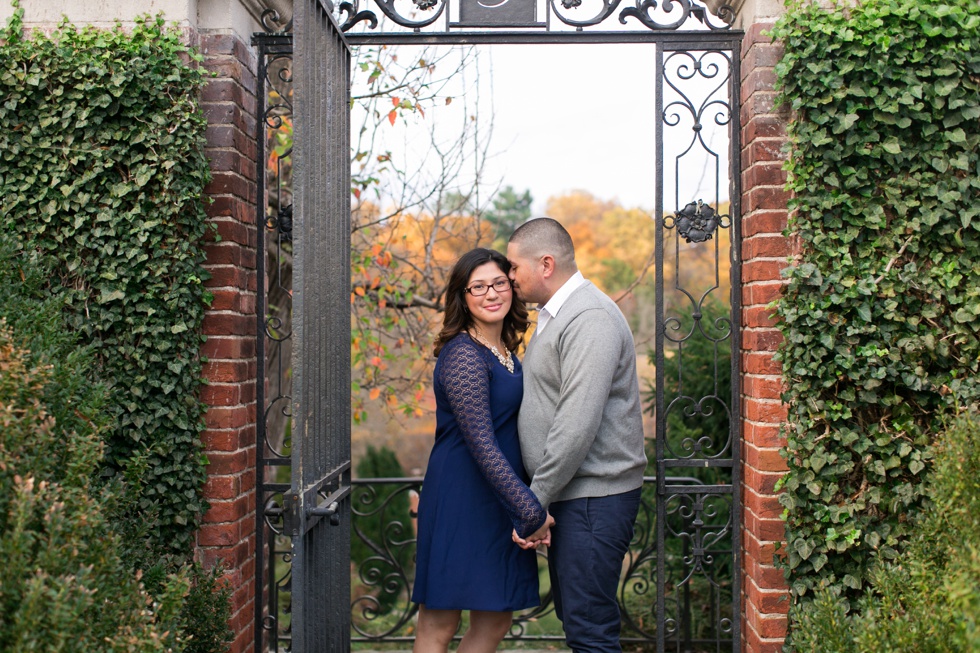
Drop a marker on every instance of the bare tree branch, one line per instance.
(639, 278)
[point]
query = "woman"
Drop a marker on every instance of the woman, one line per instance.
(474, 493)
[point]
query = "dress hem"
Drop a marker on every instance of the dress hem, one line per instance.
(534, 604)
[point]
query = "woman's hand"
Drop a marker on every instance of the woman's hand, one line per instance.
(538, 537)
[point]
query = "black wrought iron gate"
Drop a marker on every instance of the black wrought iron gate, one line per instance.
(681, 589)
(312, 226)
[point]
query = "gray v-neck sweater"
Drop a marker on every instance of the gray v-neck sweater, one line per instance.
(580, 424)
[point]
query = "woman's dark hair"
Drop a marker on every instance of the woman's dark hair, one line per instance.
(457, 318)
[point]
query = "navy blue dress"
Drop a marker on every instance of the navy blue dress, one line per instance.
(475, 489)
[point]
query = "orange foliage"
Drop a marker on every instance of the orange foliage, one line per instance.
(400, 265)
(612, 244)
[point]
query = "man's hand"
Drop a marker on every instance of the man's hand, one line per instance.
(537, 538)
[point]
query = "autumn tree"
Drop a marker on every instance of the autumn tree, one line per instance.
(421, 197)
(419, 192)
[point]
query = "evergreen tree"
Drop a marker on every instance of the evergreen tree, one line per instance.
(381, 529)
(510, 211)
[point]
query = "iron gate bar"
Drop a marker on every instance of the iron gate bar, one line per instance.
(272, 44)
(320, 594)
(660, 417)
(700, 489)
(735, 301)
(267, 44)
(698, 463)
(331, 477)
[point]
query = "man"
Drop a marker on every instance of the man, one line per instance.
(581, 431)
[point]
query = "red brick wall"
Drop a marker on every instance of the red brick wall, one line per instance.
(228, 532)
(764, 255)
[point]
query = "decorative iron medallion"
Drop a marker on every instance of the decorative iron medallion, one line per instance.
(696, 222)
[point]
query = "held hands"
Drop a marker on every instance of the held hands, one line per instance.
(537, 538)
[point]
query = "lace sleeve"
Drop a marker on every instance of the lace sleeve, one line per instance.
(466, 380)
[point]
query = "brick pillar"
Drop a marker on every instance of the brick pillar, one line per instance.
(228, 532)
(764, 255)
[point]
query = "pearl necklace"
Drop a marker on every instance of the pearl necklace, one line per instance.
(505, 359)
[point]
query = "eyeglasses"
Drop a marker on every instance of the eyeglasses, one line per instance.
(480, 289)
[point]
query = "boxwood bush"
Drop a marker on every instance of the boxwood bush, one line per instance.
(63, 583)
(928, 600)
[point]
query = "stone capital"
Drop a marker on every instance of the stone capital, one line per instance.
(750, 12)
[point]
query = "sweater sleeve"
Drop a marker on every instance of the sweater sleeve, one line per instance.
(589, 353)
(465, 376)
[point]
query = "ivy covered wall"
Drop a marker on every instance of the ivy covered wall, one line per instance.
(881, 314)
(103, 175)
(102, 171)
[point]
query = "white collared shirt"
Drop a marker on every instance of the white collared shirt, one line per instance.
(551, 308)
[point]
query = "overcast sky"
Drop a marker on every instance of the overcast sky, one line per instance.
(567, 117)
(572, 117)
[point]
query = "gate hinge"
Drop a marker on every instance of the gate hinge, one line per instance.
(291, 514)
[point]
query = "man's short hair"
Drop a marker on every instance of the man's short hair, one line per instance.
(541, 236)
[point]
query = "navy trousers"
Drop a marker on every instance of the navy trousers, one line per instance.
(588, 542)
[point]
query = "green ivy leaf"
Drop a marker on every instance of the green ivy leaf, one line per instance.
(892, 146)
(877, 311)
(111, 295)
(125, 234)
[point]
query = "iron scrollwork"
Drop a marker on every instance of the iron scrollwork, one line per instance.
(383, 552)
(637, 591)
(279, 76)
(282, 223)
(702, 523)
(688, 8)
(383, 549)
(607, 10)
(390, 9)
(354, 16)
(659, 15)
(688, 66)
(697, 221)
(274, 334)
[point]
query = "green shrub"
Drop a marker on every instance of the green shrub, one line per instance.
(206, 611)
(881, 311)
(381, 520)
(63, 585)
(928, 601)
(102, 172)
